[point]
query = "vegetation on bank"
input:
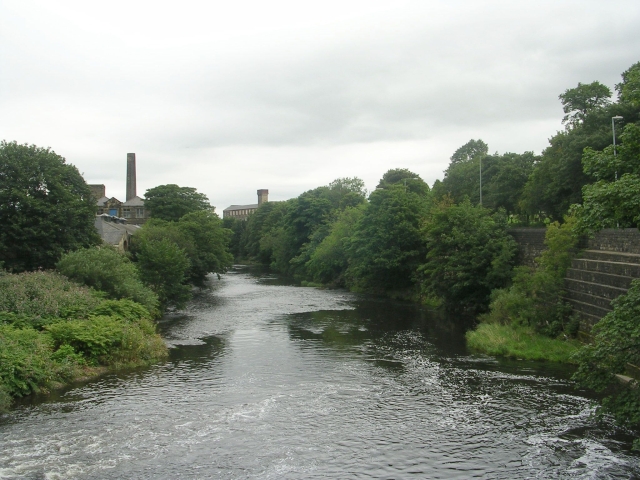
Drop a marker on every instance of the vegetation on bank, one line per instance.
(447, 244)
(97, 310)
(53, 331)
(520, 343)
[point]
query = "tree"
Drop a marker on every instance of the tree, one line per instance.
(171, 202)
(386, 245)
(469, 253)
(629, 89)
(211, 241)
(329, 260)
(469, 151)
(579, 101)
(608, 202)
(164, 266)
(506, 177)
(46, 208)
(411, 181)
(462, 176)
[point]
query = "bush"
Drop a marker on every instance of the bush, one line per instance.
(103, 268)
(106, 340)
(535, 299)
(25, 360)
(42, 296)
(615, 346)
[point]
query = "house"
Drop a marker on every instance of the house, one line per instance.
(242, 212)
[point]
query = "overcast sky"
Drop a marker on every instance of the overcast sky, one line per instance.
(230, 97)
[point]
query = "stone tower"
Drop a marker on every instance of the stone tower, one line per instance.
(131, 176)
(263, 196)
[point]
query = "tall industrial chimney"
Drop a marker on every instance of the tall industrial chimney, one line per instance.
(131, 176)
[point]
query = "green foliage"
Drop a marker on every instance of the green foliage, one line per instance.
(411, 181)
(535, 299)
(608, 203)
(104, 269)
(615, 346)
(558, 178)
(125, 310)
(46, 208)
(629, 89)
(164, 266)
(25, 361)
(470, 151)
(210, 239)
(237, 228)
(284, 235)
(578, 102)
(469, 253)
(387, 246)
(259, 225)
(171, 202)
(519, 342)
(330, 259)
(42, 296)
(201, 239)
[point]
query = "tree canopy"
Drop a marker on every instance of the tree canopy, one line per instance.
(171, 202)
(579, 101)
(46, 208)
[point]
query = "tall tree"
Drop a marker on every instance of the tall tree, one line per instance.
(386, 245)
(579, 101)
(469, 253)
(171, 202)
(46, 208)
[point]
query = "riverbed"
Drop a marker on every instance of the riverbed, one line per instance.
(276, 381)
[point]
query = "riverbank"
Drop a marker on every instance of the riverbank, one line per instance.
(520, 343)
(54, 332)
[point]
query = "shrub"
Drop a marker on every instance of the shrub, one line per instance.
(103, 268)
(107, 340)
(616, 345)
(25, 360)
(535, 299)
(45, 295)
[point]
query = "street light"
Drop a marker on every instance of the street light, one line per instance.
(613, 128)
(481, 180)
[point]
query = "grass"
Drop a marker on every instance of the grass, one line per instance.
(521, 343)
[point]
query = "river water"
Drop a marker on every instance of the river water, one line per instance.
(269, 380)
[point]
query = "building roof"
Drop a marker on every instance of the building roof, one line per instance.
(134, 202)
(241, 207)
(102, 201)
(111, 229)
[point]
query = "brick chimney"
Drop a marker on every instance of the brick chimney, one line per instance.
(263, 196)
(131, 176)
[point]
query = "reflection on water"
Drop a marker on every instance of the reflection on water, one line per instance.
(270, 380)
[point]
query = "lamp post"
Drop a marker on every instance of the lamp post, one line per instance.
(481, 180)
(613, 129)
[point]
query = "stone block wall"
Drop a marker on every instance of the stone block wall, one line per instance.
(602, 271)
(626, 240)
(530, 244)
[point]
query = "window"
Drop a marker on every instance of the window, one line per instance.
(126, 212)
(140, 212)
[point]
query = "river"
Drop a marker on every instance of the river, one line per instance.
(269, 380)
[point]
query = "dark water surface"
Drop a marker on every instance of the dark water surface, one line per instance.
(268, 380)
